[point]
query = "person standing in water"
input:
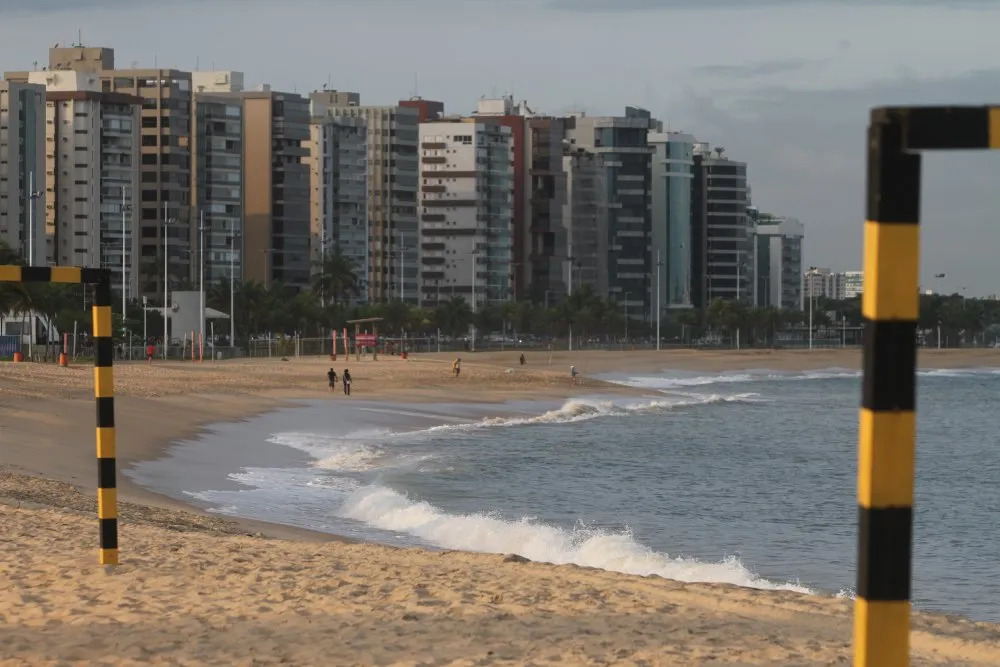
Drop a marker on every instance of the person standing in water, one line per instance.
(346, 379)
(332, 376)
(572, 373)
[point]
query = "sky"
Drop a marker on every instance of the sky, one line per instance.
(785, 85)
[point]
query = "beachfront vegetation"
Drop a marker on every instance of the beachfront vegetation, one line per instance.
(329, 304)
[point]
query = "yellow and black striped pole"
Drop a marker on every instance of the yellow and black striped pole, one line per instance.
(104, 386)
(104, 393)
(891, 309)
(890, 306)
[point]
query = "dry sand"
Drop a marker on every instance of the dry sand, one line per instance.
(199, 590)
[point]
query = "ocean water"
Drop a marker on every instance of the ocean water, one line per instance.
(746, 478)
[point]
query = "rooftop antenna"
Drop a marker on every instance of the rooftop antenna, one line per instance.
(416, 85)
(197, 63)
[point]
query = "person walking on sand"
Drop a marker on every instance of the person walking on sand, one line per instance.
(346, 379)
(332, 377)
(150, 352)
(456, 367)
(572, 373)
(522, 358)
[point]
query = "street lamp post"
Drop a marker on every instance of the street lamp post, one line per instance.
(232, 290)
(659, 313)
(33, 195)
(475, 256)
(126, 209)
(166, 278)
(812, 295)
(201, 275)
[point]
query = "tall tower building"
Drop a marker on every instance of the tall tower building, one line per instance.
(466, 219)
(338, 165)
(92, 176)
(392, 180)
(670, 188)
(623, 143)
(22, 169)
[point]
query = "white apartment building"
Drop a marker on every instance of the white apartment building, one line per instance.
(854, 284)
(392, 181)
(826, 283)
(91, 175)
(224, 81)
(22, 169)
(338, 164)
(777, 250)
(466, 212)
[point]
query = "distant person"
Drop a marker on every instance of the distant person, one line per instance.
(522, 358)
(572, 373)
(346, 379)
(456, 367)
(332, 377)
(150, 352)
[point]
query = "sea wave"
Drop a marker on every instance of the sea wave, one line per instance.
(386, 509)
(660, 382)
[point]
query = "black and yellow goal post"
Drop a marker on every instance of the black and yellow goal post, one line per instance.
(104, 387)
(891, 310)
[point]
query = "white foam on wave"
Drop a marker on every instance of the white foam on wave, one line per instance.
(577, 410)
(670, 382)
(383, 508)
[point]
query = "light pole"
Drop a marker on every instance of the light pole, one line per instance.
(166, 277)
(201, 274)
(475, 256)
(812, 294)
(126, 209)
(32, 196)
(145, 334)
(659, 313)
(232, 290)
(402, 269)
(625, 303)
(569, 293)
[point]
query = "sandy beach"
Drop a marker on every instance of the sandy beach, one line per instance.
(195, 589)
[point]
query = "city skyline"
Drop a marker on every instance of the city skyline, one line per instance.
(793, 107)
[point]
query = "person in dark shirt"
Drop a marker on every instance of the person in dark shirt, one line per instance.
(332, 376)
(522, 359)
(346, 378)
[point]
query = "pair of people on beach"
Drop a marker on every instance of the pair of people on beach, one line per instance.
(345, 378)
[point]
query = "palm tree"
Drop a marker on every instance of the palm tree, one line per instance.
(336, 277)
(455, 316)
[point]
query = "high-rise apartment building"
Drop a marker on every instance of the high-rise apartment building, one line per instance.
(623, 143)
(540, 265)
(671, 187)
(777, 259)
(854, 284)
(338, 165)
(91, 176)
(466, 212)
(721, 230)
(585, 217)
(276, 221)
(822, 283)
(392, 181)
(217, 187)
(22, 170)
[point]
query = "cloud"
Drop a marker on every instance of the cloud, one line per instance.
(54, 6)
(806, 158)
(752, 70)
(708, 5)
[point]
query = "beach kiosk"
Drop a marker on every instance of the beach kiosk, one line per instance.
(367, 339)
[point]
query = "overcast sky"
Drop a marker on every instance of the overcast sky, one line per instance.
(783, 84)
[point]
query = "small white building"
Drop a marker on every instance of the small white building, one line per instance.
(19, 325)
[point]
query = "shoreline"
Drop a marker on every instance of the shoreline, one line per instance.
(378, 603)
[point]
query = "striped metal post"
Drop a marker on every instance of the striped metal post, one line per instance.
(886, 453)
(104, 386)
(891, 309)
(104, 394)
